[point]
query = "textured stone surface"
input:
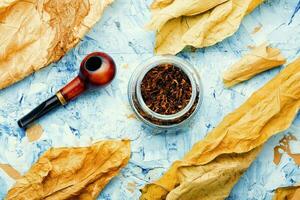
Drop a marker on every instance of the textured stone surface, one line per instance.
(106, 113)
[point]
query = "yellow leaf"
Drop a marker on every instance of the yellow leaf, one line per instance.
(36, 33)
(259, 59)
(201, 30)
(267, 112)
(34, 132)
(10, 171)
(160, 3)
(288, 193)
(72, 173)
(180, 8)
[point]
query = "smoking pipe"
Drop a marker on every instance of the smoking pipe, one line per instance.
(96, 70)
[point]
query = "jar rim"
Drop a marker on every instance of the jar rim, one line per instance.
(185, 67)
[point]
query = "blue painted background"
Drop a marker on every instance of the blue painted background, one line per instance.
(103, 114)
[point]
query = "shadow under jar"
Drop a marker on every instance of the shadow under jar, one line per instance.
(165, 91)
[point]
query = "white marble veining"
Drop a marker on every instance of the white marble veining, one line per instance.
(103, 114)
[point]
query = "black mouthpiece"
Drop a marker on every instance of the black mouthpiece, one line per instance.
(39, 111)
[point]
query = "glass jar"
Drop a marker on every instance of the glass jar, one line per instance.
(144, 113)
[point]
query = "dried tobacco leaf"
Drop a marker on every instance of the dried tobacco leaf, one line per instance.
(259, 59)
(179, 8)
(34, 132)
(284, 147)
(10, 171)
(268, 111)
(253, 5)
(72, 173)
(257, 29)
(202, 30)
(287, 193)
(36, 33)
(201, 184)
(160, 3)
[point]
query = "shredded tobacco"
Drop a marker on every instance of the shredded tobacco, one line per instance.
(166, 89)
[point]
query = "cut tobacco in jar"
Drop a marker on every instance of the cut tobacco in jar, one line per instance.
(165, 91)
